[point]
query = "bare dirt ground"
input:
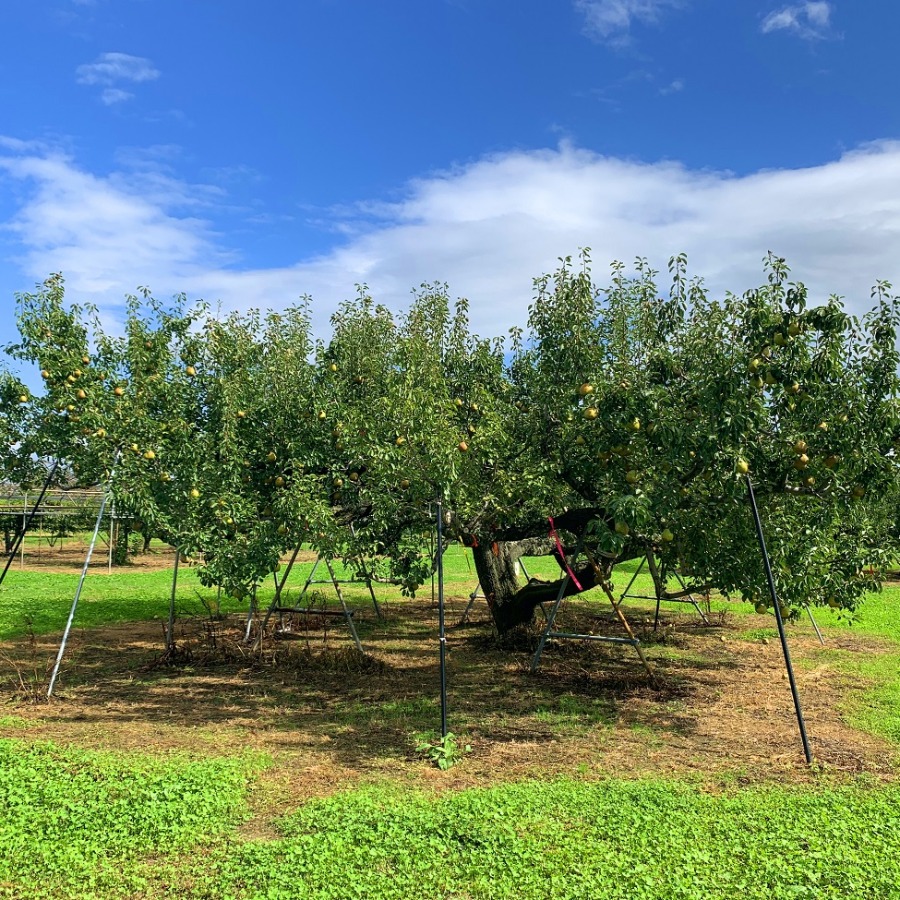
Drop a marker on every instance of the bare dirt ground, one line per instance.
(718, 708)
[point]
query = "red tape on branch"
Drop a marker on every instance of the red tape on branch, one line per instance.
(562, 554)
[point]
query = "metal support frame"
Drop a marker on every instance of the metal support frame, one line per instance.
(84, 570)
(686, 596)
(276, 600)
(548, 631)
(770, 579)
(275, 606)
(333, 579)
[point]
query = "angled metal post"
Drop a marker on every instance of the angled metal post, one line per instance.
(347, 615)
(548, 627)
(250, 613)
(87, 562)
(637, 572)
(368, 578)
(309, 580)
(276, 600)
(26, 521)
(170, 628)
(815, 624)
(767, 565)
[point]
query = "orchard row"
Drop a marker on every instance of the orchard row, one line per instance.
(237, 438)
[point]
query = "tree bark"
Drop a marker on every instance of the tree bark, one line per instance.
(512, 603)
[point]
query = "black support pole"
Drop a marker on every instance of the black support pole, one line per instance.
(778, 618)
(27, 523)
(443, 638)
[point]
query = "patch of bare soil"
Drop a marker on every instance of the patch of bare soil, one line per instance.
(718, 704)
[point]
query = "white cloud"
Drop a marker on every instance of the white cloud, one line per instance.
(611, 20)
(673, 87)
(109, 70)
(810, 20)
(111, 96)
(486, 228)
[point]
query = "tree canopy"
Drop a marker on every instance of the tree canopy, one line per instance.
(631, 417)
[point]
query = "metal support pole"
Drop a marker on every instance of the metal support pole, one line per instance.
(170, 629)
(637, 572)
(309, 580)
(693, 600)
(112, 536)
(632, 637)
(276, 600)
(443, 637)
(815, 624)
(26, 523)
(250, 613)
(347, 614)
(368, 578)
(536, 661)
(87, 562)
(778, 618)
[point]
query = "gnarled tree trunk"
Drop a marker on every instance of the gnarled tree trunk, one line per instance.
(512, 603)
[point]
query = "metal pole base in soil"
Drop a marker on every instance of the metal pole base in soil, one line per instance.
(778, 618)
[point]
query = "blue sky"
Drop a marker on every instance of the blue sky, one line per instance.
(248, 153)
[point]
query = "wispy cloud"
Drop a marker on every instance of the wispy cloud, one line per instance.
(110, 70)
(112, 96)
(611, 20)
(674, 87)
(487, 228)
(810, 21)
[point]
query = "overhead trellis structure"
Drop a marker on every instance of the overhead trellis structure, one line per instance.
(26, 513)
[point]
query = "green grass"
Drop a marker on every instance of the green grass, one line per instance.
(79, 824)
(39, 602)
(563, 839)
(71, 820)
(878, 709)
(572, 839)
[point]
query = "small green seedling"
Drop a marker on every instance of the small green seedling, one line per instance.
(443, 752)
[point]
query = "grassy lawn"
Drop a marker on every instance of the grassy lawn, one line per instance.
(219, 778)
(87, 825)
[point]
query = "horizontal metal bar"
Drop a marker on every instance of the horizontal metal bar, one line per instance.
(594, 637)
(312, 612)
(338, 581)
(687, 599)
